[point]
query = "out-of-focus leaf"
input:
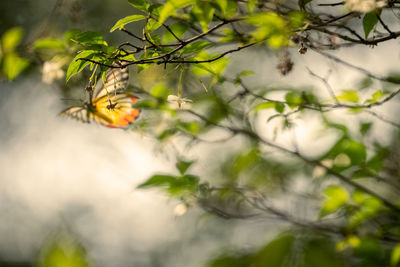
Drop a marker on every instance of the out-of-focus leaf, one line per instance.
(279, 107)
(349, 95)
(365, 127)
(231, 260)
(393, 78)
(369, 208)
(264, 105)
(275, 254)
(183, 166)
(336, 197)
(354, 150)
(140, 4)
(293, 99)
(303, 3)
(319, 251)
(214, 68)
(11, 39)
(270, 27)
(49, 43)
(70, 35)
(160, 91)
(370, 20)
(296, 19)
(122, 22)
(173, 184)
(13, 65)
(203, 13)
(64, 252)
(171, 6)
(395, 257)
(178, 29)
(195, 47)
(375, 97)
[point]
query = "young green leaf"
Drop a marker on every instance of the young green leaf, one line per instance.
(183, 166)
(171, 6)
(11, 39)
(49, 43)
(336, 197)
(122, 22)
(140, 4)
(369, 21)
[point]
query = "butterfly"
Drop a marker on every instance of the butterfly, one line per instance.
(109, 105)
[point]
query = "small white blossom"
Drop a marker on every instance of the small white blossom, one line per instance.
(364, 6)
(52, 71)
(177, 102)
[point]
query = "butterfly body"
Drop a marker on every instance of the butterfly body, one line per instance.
(110, 105)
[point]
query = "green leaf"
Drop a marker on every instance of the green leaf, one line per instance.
(140, 4)
(195, 47)
(70, 35)
(63, 252)
(160, 91)
(215, 67)
(77, 66)
(49, 43)
(171, 6)
(13, 65)
(152, 25)
(375, 97)
(293, 99)
(90, 38)
(349, 95)
(122, 22)
(264, 105)
(336, 197)
(11, 39)
(370, 207)
(178, 29)
(395, 257)
(370, 20)
(393, 78)
(302, 3)
(203, 13)
(279, 107)
(365, 127)
(183, 166)
(275, 254)
(173, 184)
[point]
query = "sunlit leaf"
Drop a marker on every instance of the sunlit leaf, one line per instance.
(171, 6)
(63, 252)
(11, 39)
(195, 47)
(140, 4)
(336, 197)
(90, 38)
(349, 95)
(264, 105)
(77, 65)
(203, 13)
(178, 29)
(13, 65)
(122, 22)
(49, 43)
(395, 257)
